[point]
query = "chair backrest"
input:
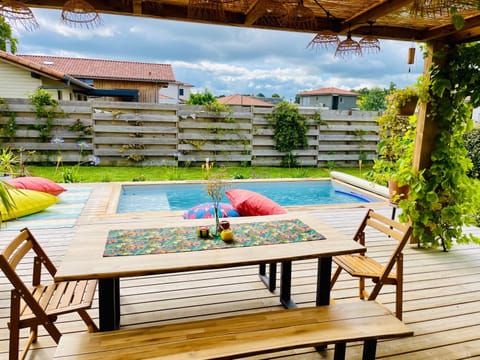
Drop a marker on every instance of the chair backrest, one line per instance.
(392, 228)
(12, 255)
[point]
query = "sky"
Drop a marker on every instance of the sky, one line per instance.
(222, 59)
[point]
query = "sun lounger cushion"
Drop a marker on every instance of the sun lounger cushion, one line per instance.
(37, 184)
(250, 203)
(27, 202)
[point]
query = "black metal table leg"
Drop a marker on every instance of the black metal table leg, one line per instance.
(286, 286)
(270, 281)
(109, 304)
(369, 349)
(339, 351)
(324, 274)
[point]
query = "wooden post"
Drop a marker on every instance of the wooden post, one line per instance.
(427, 129)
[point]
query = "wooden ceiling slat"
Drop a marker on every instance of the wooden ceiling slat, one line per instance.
(392, 17)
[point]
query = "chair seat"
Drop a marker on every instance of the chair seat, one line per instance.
(60, 298)
(363, 266)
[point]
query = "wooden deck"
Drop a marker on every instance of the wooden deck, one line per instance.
(442, 291)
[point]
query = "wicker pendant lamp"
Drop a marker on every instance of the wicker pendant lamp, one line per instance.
(274, 13)
(16, 13)
(348, 48)
(369, 43)
(213, 10)
(300, 17)
(80, 13)
(324, 39)
(437, 8)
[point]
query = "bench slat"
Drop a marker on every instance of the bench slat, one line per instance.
(240, 335)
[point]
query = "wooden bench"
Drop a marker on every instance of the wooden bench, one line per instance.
(243, 335)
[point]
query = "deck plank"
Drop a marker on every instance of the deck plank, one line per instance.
(442, 297)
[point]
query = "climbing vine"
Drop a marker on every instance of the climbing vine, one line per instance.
(46, 109)
(289, 131)
(442, 197)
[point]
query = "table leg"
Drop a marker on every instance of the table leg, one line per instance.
(109, 304)
(324, 274)
(270, 281)
(286, 286)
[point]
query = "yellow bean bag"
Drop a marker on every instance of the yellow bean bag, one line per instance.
(27, 202)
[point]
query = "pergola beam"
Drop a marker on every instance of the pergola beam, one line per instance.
(373, 13)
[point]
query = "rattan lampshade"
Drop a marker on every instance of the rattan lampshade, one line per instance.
(300, 17)
(348, 48)
(17, 14)
(325, 39)
(275, 13)
(80, 13)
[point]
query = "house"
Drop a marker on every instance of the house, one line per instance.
(331, 98)
(20, 77)
(177, 92)
(117, 80)
(243, 100)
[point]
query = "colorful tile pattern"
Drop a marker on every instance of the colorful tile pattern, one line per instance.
(180, 239)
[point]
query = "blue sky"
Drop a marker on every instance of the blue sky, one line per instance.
(224, 60)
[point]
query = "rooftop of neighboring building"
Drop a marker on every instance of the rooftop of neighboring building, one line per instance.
(243, 100)
(105, 69)
(328, 91)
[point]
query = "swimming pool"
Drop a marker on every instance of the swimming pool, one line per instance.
(142, 198)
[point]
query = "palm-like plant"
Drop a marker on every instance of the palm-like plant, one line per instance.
(5, 197)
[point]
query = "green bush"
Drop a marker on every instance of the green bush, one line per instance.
(472, 143)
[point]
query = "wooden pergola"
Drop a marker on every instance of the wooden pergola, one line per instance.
(407, 20)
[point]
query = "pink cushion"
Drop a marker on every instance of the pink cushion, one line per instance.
(250, 203)
(37, 184)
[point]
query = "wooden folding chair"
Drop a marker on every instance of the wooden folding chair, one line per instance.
(40, 304)
(364, 267)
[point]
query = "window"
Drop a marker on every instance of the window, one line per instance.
(60, 94)
(181, 92)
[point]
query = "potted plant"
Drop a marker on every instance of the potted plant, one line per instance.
(405, 100)
(393, 167)
(9, 163)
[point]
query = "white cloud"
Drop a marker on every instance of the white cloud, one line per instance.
(225, 60)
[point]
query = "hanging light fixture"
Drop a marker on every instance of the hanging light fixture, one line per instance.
(80, 13)
(301, 17)
(369, 43)
(348, 48)
(437, 8)
(274, 13)
(16, 13)
(213, 10)
(324, 39)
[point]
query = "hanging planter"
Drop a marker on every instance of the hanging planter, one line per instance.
(397, 193)
(405, 101)
(409, 106)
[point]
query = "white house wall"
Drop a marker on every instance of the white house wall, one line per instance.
(172, 91)
(16, 82)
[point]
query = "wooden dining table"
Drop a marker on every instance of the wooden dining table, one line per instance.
(90, 255)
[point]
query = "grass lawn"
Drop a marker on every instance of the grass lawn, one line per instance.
(170, 173)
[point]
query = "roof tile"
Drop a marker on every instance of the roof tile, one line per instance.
(105, 69)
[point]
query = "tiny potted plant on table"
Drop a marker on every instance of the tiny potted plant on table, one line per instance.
(215, 187)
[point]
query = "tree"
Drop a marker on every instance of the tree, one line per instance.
(201, 98)
(372, 100)
(260, 95)
(275, 95)
(6, 36)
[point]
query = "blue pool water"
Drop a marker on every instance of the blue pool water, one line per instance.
(140, 198)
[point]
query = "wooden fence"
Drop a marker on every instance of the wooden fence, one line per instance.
(164, 134)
